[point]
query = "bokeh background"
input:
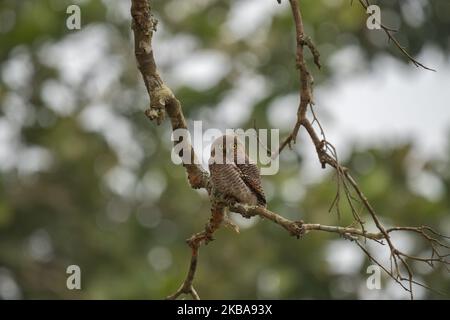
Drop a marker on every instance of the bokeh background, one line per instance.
(86, 179)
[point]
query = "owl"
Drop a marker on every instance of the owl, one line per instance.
(233, 173)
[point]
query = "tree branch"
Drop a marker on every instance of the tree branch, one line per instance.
(162, 100)
(204, 237)
(327, 155)
(390, 33)
(299, 228)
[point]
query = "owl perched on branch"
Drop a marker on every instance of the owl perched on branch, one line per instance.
(233, 173)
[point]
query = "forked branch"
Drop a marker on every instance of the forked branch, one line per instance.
(354, 196)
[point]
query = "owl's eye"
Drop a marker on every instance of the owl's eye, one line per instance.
(234, 146)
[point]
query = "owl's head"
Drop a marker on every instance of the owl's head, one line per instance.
(228, 149)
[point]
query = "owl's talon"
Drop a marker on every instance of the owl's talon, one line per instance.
(298, 231)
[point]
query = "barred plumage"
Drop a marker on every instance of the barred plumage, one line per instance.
(233, 173)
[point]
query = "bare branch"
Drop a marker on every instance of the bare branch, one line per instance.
(162, 100)
(306, 80)
(300, 228)
(390, 33)
(327, 155)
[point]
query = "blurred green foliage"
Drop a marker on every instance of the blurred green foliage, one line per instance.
(121, 210)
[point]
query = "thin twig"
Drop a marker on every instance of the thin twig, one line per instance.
(389, 32)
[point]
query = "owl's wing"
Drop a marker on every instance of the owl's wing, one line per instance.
(251, 175)
(228, 180)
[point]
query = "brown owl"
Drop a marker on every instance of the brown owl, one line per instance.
(233, 173)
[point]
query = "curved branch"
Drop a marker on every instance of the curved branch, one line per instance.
(162, 100)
